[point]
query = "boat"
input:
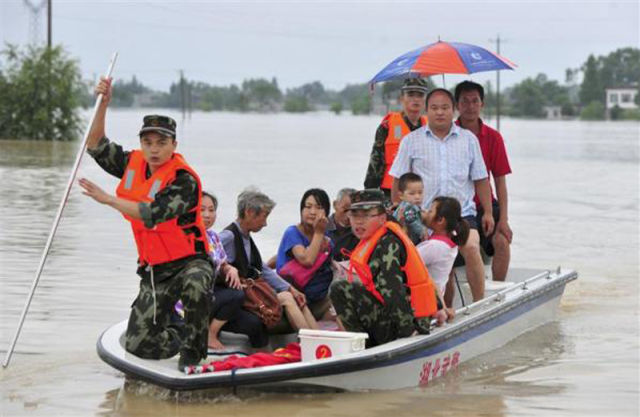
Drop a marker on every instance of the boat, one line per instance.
(526, 300)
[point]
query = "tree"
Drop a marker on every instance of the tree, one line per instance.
(593, 111)
(262, 93)
(296, 104)
(591, 88)
(41, 92)
(336, 107)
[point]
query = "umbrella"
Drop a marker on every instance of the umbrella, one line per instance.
(442, 58)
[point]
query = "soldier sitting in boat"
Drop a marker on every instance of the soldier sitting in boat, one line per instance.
(395, 296)
(161, 196)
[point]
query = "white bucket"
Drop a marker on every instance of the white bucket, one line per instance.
(322, 344)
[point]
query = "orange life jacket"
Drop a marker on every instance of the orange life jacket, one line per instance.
(421, 288)
(397, 130)
(166, 241)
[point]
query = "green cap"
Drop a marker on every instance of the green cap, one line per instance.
(164, 125)
(367, 199)
(414, 84)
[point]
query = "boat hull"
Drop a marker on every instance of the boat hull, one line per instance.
(477, 329)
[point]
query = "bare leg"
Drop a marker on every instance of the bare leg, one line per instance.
(501, 257)
(474, 266)
(308, 315)
(295, 316)
(214, 329)
(449, 292)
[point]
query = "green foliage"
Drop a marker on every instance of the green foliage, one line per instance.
(592, 88)
(264, 95)
(296, 104)
(619, 68)
(336, 107)
(615, 113)
(631, 114)
(529, 97)
(124, 92)
(593, 111)
(40, 94)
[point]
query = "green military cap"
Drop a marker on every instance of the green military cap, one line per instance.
(367, 199)
(414, 84)
(164, 125)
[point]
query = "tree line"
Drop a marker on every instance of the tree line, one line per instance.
(42, 90)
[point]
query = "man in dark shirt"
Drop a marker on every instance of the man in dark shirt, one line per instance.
(178, 265)
(338, 227)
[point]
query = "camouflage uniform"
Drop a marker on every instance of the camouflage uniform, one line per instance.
(188, 279)
(360, 311)
(375, 170)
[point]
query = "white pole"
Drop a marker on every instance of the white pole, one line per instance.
(52, 233)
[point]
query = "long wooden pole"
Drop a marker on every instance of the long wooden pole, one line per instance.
(52, 233)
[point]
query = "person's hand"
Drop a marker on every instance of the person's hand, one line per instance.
(104, 88)
(320, 225)
(232, 278)
(95, 192)
(487, 223)
(503, 228)
(298, 296)
(451, 313)
(326, 244)
(441, 317)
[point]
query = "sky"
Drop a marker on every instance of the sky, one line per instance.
(335, 42)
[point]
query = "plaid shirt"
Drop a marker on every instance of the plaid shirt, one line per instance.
(448, 167)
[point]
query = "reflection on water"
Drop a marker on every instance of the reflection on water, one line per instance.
(573, 201)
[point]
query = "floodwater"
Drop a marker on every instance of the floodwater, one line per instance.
(573, 201)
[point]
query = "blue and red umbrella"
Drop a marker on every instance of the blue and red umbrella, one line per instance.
(442, 58)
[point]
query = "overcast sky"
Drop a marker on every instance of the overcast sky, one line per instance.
(336, 43)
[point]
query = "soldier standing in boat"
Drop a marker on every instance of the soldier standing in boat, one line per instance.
(160, 195)
(390, 132)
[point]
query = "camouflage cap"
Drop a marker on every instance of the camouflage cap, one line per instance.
(414, 84)
(164, 125)
(367, 199)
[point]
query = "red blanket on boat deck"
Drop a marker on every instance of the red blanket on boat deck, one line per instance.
(287, 354)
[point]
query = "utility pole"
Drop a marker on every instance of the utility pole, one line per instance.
(34, 23)
(497, 42)
(49, 24)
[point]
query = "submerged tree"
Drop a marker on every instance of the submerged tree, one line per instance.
(41, 93)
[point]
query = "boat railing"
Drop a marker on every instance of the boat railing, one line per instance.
(501, 295)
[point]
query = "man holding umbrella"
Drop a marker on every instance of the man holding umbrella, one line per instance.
(449, 161)
(390, 132)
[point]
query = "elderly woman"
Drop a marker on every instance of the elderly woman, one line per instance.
(253, 209)
(304, 252)
(394, 296)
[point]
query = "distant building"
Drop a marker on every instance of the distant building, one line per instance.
(553, 112)
(623, 97)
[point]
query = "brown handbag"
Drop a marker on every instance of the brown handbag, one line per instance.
(261, 300)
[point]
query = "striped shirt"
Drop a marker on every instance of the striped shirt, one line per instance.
(448, 167)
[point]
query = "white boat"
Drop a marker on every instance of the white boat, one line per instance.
(528, 299)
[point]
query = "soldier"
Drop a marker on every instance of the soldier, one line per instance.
(395, 296)
(160, 195)
(393, 128)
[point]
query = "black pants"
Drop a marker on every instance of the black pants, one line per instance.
(228, 307)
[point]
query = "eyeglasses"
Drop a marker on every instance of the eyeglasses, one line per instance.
(362, 216)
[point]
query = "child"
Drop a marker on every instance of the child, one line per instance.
(408, 212)
(449, 231)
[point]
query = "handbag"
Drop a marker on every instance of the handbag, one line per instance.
(300, 274)
(261, 300)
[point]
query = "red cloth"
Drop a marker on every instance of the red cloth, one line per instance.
(287, 354)
(493, 153)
